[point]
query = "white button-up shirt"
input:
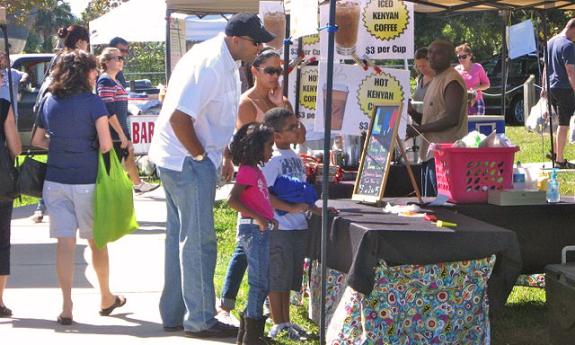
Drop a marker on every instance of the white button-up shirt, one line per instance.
(206, 86)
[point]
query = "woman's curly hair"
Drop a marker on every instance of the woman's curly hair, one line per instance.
(247, 146)
(70, 75)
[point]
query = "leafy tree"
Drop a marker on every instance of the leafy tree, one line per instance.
(21, 9)
(482, 30)
(49, 21)
(96, 8)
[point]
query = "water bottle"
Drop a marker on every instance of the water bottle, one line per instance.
(519, 177)
(553, 188)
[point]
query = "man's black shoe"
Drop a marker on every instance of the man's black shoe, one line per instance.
(219, 330)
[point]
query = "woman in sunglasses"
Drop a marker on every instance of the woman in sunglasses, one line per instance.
(475, 78)
(266, 92)
(111, 91)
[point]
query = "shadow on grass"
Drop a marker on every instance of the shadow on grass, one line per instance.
(521, 324)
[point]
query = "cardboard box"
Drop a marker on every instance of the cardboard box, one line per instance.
(512, 197)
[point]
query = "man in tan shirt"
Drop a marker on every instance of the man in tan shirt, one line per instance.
(444, 117)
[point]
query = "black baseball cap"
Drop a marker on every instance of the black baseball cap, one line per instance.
(247, 24)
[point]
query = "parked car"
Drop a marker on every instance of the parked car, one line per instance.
(35, 65)
(518, 70)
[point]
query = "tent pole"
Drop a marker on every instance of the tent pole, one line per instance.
(504, 14)
(546, 76)
(298, 77)
(325, 171)
(168, 47)
(286, 58)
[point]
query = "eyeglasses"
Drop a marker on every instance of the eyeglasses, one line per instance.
(462, 57)
(119, 58)
(272, 70)
(124, 50)
(251, 40)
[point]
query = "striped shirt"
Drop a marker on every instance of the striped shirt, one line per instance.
(116, 99)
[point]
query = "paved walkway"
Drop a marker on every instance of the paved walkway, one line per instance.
(136, 272)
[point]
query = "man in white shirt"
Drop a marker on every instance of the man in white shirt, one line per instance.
(194, 127)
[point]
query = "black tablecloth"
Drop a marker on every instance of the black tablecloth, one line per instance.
(542, 230)
(362, 235)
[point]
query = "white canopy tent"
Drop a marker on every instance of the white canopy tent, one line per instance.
(145, 21)
(134, 21)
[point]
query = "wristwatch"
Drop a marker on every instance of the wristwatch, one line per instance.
(199, 157)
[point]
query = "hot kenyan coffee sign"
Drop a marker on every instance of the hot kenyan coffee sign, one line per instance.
(378, 29)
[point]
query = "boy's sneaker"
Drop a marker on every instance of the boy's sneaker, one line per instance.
(276, 329)
(145, 187)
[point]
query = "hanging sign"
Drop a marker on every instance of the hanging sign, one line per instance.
(274, 19)
(303, 18)
(521, 39)
(311, 48)
(307, 97)
(380, 29)
(355, 93)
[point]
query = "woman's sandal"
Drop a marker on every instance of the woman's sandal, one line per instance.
(5, 312)
(118, 302)
(64, 321)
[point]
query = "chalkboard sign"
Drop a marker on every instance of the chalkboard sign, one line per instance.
(379, 146)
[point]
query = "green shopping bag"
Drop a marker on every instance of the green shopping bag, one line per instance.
(114, 214)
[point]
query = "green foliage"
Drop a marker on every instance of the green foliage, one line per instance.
(96, 8)
(482, 30)
(46, 24)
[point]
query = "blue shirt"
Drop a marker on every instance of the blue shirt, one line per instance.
(71, 124)
(561, 53)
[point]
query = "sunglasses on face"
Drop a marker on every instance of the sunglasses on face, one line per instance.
(272, 70)
(124, 51)
(462, 57)
(118, 58)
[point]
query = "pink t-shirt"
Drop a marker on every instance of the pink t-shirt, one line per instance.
(474, 77)
(255, 196)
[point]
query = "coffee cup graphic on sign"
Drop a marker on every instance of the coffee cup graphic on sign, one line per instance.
(338, 101)
(347, 21)
(275, 22)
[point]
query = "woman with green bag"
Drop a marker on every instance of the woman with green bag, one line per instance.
(73, 127)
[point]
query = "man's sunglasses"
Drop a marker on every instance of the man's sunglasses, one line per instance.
(272, 70)
(462, 57)
(119, 58)
(251, 40)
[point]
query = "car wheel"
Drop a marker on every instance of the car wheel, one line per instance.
(517, 111)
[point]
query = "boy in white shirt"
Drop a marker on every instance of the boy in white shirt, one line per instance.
(287, 246)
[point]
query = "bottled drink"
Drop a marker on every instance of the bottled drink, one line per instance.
(519, 177)
(553, 188)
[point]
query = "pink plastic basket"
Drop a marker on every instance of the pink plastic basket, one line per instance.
(466, 174)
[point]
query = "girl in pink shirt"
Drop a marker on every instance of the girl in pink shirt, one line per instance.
(251, 147)
(475, 78)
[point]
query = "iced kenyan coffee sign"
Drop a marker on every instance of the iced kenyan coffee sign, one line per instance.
(380, 29)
